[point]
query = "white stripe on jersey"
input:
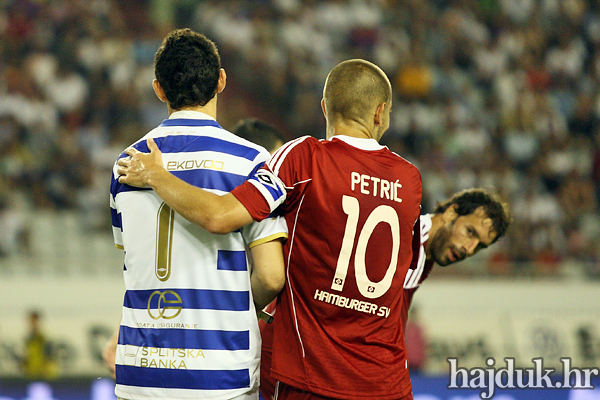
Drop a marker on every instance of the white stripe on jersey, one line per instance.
(413, 276)
(279, 156)
(152, 393)
(287, 272)
(194, 359)
(207, 160)
(273, 203)
(222, 320)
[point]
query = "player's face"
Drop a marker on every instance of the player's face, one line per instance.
(461, 236)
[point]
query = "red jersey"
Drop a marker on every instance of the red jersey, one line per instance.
(420, 266)
(350, 205)
(267, 384)
(418, 272)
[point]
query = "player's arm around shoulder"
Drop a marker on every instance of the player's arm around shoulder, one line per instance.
(277, 181)
(217, 214)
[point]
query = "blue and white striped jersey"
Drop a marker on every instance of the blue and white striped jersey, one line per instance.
(189, 327)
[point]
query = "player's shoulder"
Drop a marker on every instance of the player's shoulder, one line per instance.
(296, 148)
(209, 138)
(261, 153)
(306, 140)
(231, 137)
(400, 158)
(406, 166)
(139, 145)
(425, 225)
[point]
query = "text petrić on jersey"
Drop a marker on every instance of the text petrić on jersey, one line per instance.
(358, 305)
(371, 185)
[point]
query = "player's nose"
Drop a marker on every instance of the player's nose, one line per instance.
(471, 247)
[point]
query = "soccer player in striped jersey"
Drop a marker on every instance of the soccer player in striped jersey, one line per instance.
(350, 205)
(189, 328)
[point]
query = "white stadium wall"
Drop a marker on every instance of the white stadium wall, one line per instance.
(475, 319)
(78, 315)
(471, 320)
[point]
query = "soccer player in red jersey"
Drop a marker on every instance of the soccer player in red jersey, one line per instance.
(471, 220)
(351, 206)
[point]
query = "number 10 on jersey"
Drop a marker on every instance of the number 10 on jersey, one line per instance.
(381, 214)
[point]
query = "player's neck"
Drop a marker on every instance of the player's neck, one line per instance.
(209, 108)
(349, 128)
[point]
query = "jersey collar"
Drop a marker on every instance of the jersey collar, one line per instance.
(364, 144)
(187, 114)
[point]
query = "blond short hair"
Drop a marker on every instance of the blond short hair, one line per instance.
(354, 88)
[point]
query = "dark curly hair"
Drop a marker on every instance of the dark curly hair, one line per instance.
(469, 200)
(259, 132)
(187, 66)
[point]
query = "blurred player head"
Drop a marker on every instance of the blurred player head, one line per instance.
(259, 132)
(469, 221)
(188, 70)
(357, 92)
(34, 317)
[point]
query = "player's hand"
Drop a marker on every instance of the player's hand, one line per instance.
(137, 170)
(109, 354)
(265, 316)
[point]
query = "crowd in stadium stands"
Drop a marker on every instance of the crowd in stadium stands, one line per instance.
(488, 93)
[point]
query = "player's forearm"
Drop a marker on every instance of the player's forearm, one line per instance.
(109, 352)
(268, 273)
(264, 292)
(217, 214)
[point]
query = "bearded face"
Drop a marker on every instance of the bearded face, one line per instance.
(442, 250)
(461, 236)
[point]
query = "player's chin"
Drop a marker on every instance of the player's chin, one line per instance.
(442, 261)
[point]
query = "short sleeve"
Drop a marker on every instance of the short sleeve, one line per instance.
(117, 228)
(265, 231)
(276, 181)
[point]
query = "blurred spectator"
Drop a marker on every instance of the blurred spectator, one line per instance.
(15, 235)
(576, 196)
(501, 94)
(38, 362)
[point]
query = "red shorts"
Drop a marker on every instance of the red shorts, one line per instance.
(267, 384)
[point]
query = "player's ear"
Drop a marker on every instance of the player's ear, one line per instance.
(450, 213)
(158, 90)
(222, 80)
(379, 114)
(323, 108)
